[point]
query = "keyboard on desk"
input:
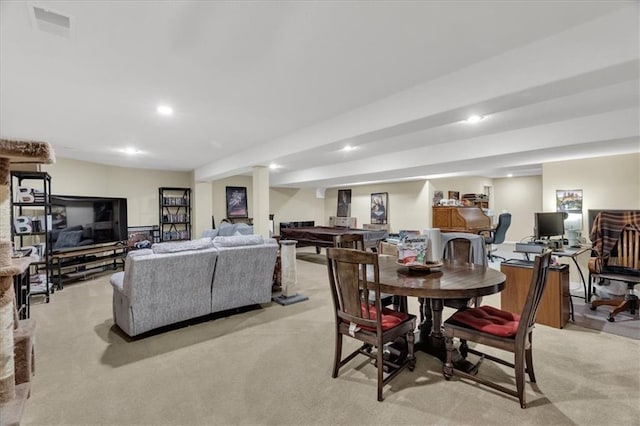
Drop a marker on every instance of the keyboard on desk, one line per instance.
(519, 262)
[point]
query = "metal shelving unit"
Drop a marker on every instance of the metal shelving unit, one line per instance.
(175, 213)
(31, 225)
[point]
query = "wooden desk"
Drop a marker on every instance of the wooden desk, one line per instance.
(572, 253)
(453, 280)
(460, 219)
(554, 306)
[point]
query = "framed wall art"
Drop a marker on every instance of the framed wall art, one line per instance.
(379, 203)
(569, 201)
(237, 201)
(344, 203)
(437, 196)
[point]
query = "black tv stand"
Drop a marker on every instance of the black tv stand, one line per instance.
(80, 263)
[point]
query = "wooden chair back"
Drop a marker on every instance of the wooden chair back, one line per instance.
(352, 241)
(459, 250)
(353, 277)
(629, 248)
(349, 272)
(536, 289)
(519, 345)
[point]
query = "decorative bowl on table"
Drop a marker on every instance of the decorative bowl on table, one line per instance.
(417, 266)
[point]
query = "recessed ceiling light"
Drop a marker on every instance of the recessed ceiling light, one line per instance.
(274, 166)
(131, 151)
(510, 175)
(164, 110)
(348, 148)
(472, 119)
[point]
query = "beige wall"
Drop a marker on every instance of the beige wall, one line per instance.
(292, 204)
(409, 205)
(607, 182)
(219, 197)
(520, 196)
(138, 186)
(464, 185)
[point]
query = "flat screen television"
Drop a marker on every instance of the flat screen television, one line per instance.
(549, 224)
(78, 221)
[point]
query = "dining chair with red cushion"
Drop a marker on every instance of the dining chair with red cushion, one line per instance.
(511, 332)
(354, 281)
(356, 241)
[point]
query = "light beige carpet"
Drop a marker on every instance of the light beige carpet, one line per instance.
(273, 366)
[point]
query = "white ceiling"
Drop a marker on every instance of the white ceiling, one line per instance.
(291, 83)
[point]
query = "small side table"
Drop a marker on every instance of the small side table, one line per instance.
(289, 274)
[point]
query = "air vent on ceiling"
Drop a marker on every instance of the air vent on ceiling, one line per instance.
(50, 21)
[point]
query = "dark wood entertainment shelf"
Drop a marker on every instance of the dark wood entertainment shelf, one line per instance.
(76, 264)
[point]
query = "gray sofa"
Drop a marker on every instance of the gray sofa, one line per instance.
(177, 281)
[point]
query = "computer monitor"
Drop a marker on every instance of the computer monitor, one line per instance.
(549, 224)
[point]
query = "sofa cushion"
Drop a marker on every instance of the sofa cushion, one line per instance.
(176, 246)
(243, 229)
(117, 280)
(56, 232)
(226, 230)
(68, 239)
(489, 320)
(238, 240)
(140, 252)
(209, 233)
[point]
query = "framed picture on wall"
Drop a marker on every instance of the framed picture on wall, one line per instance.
(344, 203)
(379, 203)
(569, 201)
(437, 196)
(454, 195)
(237, 201)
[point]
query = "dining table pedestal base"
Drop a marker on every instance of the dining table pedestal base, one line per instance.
(432, 342)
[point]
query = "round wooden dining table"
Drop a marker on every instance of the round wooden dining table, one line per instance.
(452, 280)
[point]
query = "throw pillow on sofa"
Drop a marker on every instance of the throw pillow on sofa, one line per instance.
(68, 239)
(209, 233)
(140, 252)
(176, 246)
(226, 230)
(238, 240)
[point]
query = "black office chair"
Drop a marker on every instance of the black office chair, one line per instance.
(497, 235)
